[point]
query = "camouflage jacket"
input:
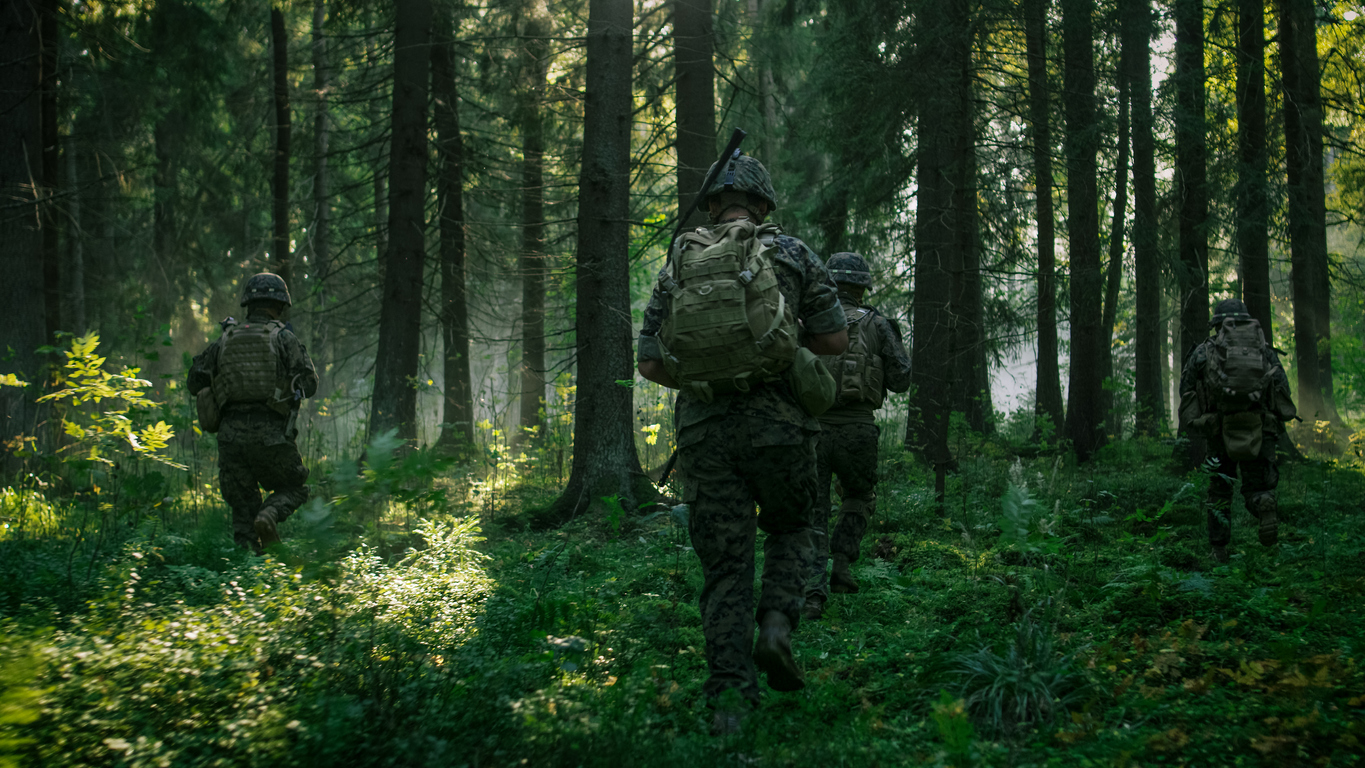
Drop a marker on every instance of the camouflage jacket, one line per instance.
(886, 340)
(807, 286)
(1195, 403)
(255, 421)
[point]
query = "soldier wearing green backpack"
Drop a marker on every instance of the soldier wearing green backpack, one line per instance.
(732, 306)
(875, 362)
(1234, 391)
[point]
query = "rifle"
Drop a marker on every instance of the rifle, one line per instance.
(731, 152)
(291, 427)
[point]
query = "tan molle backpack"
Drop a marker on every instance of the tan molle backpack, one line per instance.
(248, 366)
(859, 369)
(728, 327)
(1237, 383)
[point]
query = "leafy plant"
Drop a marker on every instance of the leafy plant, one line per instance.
(1028, 684)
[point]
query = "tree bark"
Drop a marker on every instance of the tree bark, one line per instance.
(1253, 210)
(1113, 278)
(51, 152)
(1137, 37)
(320, 237)
(1049, 382)
(532, 264)
(458, 417)
(972, 395)
(279, 43)
(400, 316)
(1083, 417)
(1309, 279)
(605, 462)
(696, 101)
(1191, 174)
(21, 257)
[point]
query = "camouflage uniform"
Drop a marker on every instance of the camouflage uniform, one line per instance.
(1260, 476)
(848, 449)
(746, 448)
(253, 451)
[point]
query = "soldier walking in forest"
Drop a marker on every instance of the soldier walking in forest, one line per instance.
(723, 326)
(875, 362)
(1234, 391)
(255, 375)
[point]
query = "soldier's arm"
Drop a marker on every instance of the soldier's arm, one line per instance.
(895, 361)
(820, 312)
(297, 364)
(202, 368)
(649, 353)
(1192, 403)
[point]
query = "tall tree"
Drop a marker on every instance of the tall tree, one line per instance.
(972, 390)
(605, 462)
(1083, 417)
(400, 317)
(21, 257)
(1113, 276)
(1049, 381)
(1137, 37)
(532, 264)
(693, 47)
(279, 44)
(1253, 210)
(1191, 173)
(1309, 280)
(320, 234)
(458, 417)
(49, 41)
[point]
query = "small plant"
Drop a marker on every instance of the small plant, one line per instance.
(1027, 685)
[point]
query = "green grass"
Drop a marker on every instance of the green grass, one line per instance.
(1056, 616)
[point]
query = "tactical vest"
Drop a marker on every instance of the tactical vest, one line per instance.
(728, 327)
(1237, 377)
(249, 368)
(859, 369)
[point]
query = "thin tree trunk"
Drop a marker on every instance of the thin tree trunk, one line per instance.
(696, 100)
(1137, 22)
(400, 318)
(1084, 421)
(1253, 210)
(458, 417)
(972, 395)
(51, 151)
(1113, 278)
(75, 266)
(1191, 173)
(321, 234)
(767, 100)
(1309, 279)
(605, 462)
(279, 43)
(21, 257)
(532, 264)
(1049, 382)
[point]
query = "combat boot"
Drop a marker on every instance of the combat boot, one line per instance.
(841, 578)
(267, 527)
(814, 609)
(1264, 506)
(773, 655)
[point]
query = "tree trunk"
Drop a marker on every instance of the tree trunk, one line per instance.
(1137, 38)
(1191, 174)
(605, 462)
(767, 98)
(532, 262)
(972, 395)
(458, 417)
(21, 257)
(1049, 382)
(50, 138)
(1253, 210)
(320, 237)
(1084, 421)
(279, 43)
(400, 316)
(1113, 278)
(75, 265)
(1309, 280)
(942, 34)
(696, 101)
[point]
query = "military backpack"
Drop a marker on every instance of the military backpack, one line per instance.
(1237, 377)
(249, 369)
(729, 327)
(859, 369)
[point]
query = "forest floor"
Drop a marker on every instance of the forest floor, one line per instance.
(1056, 616)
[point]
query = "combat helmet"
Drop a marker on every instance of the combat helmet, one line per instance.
(849, 268)
(1228, 309)
(743, 174)
(266, 285)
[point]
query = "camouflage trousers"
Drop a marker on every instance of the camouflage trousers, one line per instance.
(728, 466)
(244, 467)
(1260, 478)
(849, 452)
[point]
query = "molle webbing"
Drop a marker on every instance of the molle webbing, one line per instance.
(248, 365)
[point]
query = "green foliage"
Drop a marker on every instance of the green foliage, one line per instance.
(107, 429)
(1028, 684)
